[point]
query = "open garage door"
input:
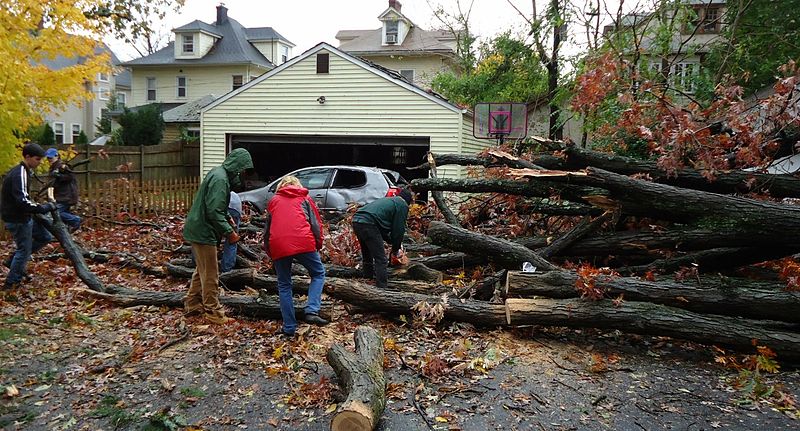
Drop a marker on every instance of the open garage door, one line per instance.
(275, 155)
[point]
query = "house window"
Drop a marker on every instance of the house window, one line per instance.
(408, 74)
(121, 100)
(58, 130)
(683, 76)
(238, 81)
(707, 20)
(103, 93)
(711, 20)
(102, 77)
(284, 54)
(151, 89)
(323, 63)
(391, 32)
(76, 132)
(181, 87)
(188, 44)
(399, 156)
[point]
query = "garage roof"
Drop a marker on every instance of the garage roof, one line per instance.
(381, 71)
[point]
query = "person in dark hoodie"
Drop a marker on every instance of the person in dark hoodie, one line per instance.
(65, 189)
(16, 207)
(293, 232)
(383, 219)
(206, 224)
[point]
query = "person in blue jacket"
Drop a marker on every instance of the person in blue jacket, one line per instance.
(16, 208)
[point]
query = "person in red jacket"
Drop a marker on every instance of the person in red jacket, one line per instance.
(293, 232)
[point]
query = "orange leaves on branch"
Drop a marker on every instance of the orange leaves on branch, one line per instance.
(586, 282)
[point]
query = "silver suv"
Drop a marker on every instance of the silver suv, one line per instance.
(334, 187)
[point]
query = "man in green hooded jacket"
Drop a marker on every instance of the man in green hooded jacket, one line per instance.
(206, 224)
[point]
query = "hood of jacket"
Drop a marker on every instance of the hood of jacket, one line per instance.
(293, 192)
(237, 162)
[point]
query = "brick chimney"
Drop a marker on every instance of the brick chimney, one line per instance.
(395, 4)
(222, 14)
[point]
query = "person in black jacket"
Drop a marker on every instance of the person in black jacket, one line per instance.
(16, 207)
(65, 189)
(376, 222)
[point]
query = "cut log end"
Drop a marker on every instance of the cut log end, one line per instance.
(354, 416)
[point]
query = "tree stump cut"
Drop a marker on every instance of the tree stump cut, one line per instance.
(361, 376)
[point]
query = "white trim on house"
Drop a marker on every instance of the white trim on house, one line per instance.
(324, 46)
(63, 132)
(72, 133)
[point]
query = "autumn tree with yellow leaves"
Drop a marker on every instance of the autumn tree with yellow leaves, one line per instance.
(33, 32)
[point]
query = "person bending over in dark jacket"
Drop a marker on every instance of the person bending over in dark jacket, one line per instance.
(383, 219)
(65, 189)
(293, 232)
(16, 207)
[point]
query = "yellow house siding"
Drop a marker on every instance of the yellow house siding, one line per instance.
(358, 103)
(205, 44)
(216, 80)
(267, 48)
(470, 144)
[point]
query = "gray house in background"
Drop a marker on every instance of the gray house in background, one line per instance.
(69, 122)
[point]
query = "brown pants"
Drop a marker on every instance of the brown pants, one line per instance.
(203, 293)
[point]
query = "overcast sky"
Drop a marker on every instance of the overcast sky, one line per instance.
(308, 22)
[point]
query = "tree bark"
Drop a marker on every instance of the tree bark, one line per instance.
(503, 252)
(361, 376)
(632, 317)
(450, 260)
(249, 306)
(73, 252)
(582, 229)
(537, 188)
(712, 260)
(768, 303)
(727, 182)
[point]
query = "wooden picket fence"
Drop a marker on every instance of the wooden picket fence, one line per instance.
(122, 199)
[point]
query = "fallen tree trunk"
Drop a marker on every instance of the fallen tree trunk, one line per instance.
(632, 317)
(450, 260)
(712, 260)
(73, 252)
(361, 376)
(725, 182)
(538, 188)
(751, 302)
(249, 306)
(506, 253)
(582, 229)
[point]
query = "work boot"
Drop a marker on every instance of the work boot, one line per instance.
(315, 320)
(217, 318)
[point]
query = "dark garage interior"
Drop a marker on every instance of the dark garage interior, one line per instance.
(276, 155)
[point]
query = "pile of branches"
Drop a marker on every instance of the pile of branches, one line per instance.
(630, 222)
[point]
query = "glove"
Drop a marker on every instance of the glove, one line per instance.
(48, 207)
(396, 259)
(233, 237)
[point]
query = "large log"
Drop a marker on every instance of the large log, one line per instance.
(450, 260)
(768, 303)
(582, 229)
(726, 182)
(509, 254)
(629, 316)
(538, 188)
(361, 376)
(249, 306)
(73, 252)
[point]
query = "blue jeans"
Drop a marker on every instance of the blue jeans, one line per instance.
(29, 237)
(67, 217)
(283, 267)
(228, 249)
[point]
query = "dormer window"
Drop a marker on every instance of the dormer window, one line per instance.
(188, 44)
(391, 32)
